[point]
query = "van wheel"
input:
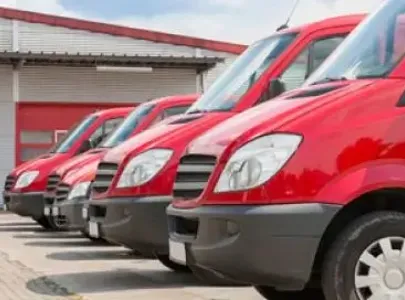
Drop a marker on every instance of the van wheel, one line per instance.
(88, 236)
(44, 223)
(271, 294)
(165, 260)
(367, 259)
(56, 225)
(210, 278)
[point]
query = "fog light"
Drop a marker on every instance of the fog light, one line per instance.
(232, 228)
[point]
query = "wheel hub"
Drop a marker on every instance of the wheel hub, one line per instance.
(394, 279)
(380, 270)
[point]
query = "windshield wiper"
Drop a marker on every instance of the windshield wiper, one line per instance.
(329, 79)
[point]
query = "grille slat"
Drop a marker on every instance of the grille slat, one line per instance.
(186, 186)
(193, 174)
(62, 192)
(104, 176)
(9, 184)
(53, 181)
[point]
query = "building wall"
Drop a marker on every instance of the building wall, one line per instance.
(7, 123)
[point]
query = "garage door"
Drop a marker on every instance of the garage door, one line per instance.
(55, 83)
(40, 126)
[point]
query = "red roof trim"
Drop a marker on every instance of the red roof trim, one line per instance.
(143, 34)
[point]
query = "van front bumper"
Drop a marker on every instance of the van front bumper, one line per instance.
(273, 245)
(26, 204)
(72, 210)
(136, 223)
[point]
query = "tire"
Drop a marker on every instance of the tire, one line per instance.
(211, 279)
(361, 245)
(55, 226)
(165, 260)
(44, 222)
(88, 236)
(272, 294)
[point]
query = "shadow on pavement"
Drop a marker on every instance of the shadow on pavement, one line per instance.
(23, 229)
(16, 224)
(94, 255)
(83, 243)
(118, 280)
(51, 235)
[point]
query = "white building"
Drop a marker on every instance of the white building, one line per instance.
(55, 69)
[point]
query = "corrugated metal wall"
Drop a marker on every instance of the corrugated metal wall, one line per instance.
(6, 35)
(7, 123)
(40, 37)
(70, 84)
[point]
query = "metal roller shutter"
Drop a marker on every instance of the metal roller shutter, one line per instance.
(6, 35)
(75, 84)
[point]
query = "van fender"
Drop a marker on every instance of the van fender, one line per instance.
(364, 179)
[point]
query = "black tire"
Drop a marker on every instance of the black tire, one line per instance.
(55, 226)
(44, 222)
(210, 278)
(272, 294)
(88, 236)
(165, 260)
(338, 274)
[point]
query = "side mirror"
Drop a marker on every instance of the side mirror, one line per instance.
(86, 146)
(275, 88)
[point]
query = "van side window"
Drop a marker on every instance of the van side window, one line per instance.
(308, 61)
(296, 73)
(169, 112)
(175, 110)
(105, 129)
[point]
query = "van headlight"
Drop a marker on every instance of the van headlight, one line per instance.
(256, 162)
(79, 190)
(25, 179)
(144, 167)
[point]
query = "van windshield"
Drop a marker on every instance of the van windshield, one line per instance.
(371, 51)
(73, 135)
(123, 132)
(242, 75)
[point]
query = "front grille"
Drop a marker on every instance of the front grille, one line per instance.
(62, 192)
(10, 181)
(192, 175)
(53, 181)
(51, 185)
(104, 176)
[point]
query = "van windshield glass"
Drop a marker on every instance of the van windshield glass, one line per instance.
(123, 132)
(371, 51)
(241, 76)
(73, 135)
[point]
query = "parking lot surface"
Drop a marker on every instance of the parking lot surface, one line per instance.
(36, 264)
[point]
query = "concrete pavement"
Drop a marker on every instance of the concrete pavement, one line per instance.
(36, 265)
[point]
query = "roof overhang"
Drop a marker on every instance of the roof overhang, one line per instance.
(198, 63)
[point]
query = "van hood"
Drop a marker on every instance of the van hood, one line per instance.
(82, 174)
(181, 129)
(44, 163)
(271, 116)
(80, 161)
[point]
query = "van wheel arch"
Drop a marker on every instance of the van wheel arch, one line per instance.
(392, 199)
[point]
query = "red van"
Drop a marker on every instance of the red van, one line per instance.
(134, 181)
(64, 198)
(24, 188)
(306, 192)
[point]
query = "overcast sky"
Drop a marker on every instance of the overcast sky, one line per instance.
(241, 21)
